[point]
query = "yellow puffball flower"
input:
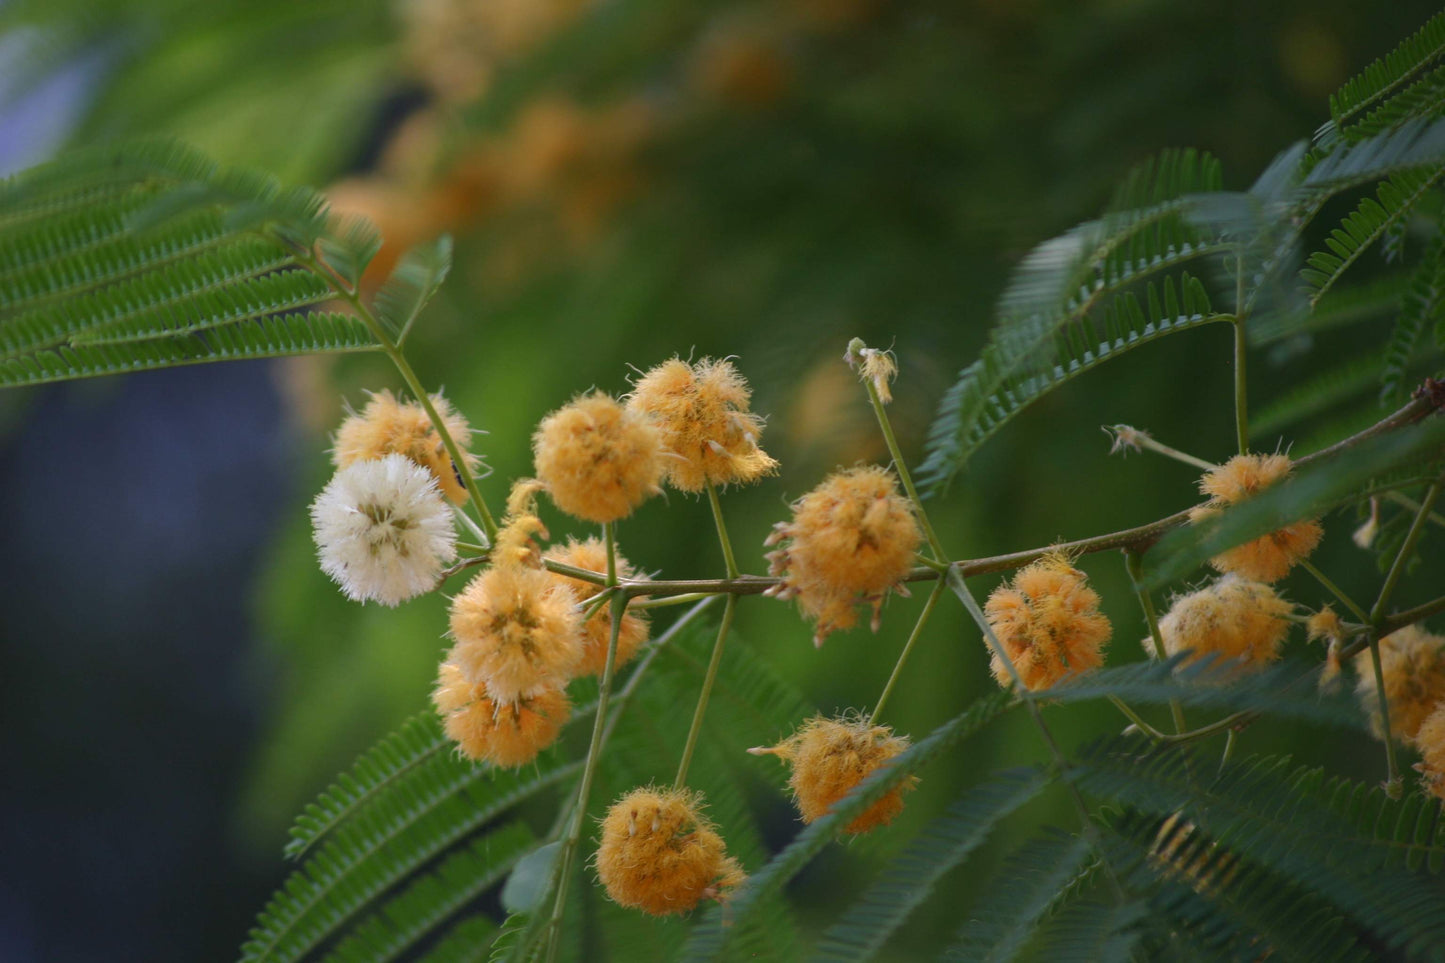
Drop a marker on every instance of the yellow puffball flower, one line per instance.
(661, 855)
(1233, 618)
(702, 412)
(851, 539)
(502, 733)
(1430, 740)
(1269, 557)
(517, 631)
(591, 554)
(831, 756)
(598, 459)
(1049, 623)
(387, 426)
(1413, 664)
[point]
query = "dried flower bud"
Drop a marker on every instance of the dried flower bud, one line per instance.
(851, 539)
(1048, 621)
(1269, 557)
(831, 756)
(598, 459)
(597, 631)
(873, 365)
(502, 733)
(1413, 664)
(1364, 536)
(1430, 740)
(661, 855)
(382, 530)
(1325, 625)
(1233, 618)
(517, 631)
(702, 411)
(386, 426)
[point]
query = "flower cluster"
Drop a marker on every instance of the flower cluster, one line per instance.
(1048, 621)
(702, 411)
(1269, 557)
(831, 756)
(1412, 665)
(851, 539)
(1232, 619)
(387, 426)
(661, 855)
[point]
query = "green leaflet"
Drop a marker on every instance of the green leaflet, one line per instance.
(910, 877)
(711, 938)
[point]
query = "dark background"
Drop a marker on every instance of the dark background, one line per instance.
(626, 180)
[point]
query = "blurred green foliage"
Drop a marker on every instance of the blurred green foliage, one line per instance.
(631, 179)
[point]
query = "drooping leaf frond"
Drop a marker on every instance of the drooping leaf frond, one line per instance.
(1030, 883)
(417, 740)
(385, 843)
(274, 337)
(1214, 684)
(417, 277)
(1310, 493)
(399, 923)
(1423, 304)
(1394, 200)
(1414, 144)
(910, 877)
(1255, 811)
(1392, 71)
(150, 256)
(712, 936)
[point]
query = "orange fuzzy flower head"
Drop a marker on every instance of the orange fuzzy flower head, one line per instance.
(598, 459)
(830, 757)
(502, 733)
(1413, 664)
(702, 411)
(387, 426)
(1233, 618)
(1430, 740)
(1269, 557)
(517, 631)
(661, 855)
(1048, 621)
(851, 539)
(597, 631)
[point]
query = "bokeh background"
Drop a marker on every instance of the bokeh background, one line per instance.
(626, 180)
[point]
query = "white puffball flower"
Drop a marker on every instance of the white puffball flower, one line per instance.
(383, 530)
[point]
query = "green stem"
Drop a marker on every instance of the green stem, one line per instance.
(352, 297)
(672, 600)
(1128, 435)
(933, 598)
(901, 466)
(722, 532)
(1334, 590)
(960, 588)
(697, 714)
(1393, 784)
(1137, 719)
(574, 833)
(1400, 498)
(1134, 563)
(1407, 550)
(1229, 739)
(1410, 616)
(1241, 349)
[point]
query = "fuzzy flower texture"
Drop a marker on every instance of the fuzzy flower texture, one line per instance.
(1412, 662)
(387, 426)
(591, 554)
(831, 756)
(661, 855)
(1269, 557)
(1047, 619)
(598, 459)
(382, 530)
(702, 411)
(1232, 619)
(851, 539)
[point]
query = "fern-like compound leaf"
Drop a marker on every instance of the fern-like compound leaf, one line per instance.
(712, 937)
(909, 879)
(1392, 71)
